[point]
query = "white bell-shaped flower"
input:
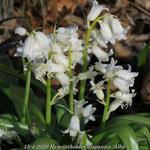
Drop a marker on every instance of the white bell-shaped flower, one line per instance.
(55, 68)
(117, 29)
(101, 55)
(21, 31)
(121, 99)
(126, 74)
(62, 78)
(74, 126)
(39, 70)
(88, 113)
(56, 48)
(77, 58)
(90, 74)
(43, 42)
(31, 49)
(122, 84)
(95, 11)
(60, 59)
(35, 47)
(78, 107)
(105, 31)
(98, 89)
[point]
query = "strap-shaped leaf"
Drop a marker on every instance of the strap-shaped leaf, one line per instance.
(137, 119)
(127, 136)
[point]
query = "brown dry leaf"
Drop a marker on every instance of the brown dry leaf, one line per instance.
(72, 19)
(69, 5)
(121, 3)
(122, 51)
(145, 91)
(143, 3)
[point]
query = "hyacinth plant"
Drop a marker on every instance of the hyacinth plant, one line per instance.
(63, 119)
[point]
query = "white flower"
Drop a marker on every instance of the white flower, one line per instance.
(56, 48)
(88, 113)
(60, 59)
(31, 49)
(64, 90)
(39, 70)
(69, 38)
(99, 53)
(109, 70)
(74, 126)
(76, 44)
(76, 58)
(90, 74)
(95, 11)
(78, 107)
(85, 112)
(55, 68)
(117, 29)
(100, 67)
(126, 74)
(98, 89)
(35, 47)
(43, 42)
(96, 35)
(105, 32)
(65, 34)
(121, 99)
(122, 84)
(62, 78)
(124, 79)
(21, 31)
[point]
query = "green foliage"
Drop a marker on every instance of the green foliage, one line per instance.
(131, 131)
(142, 58)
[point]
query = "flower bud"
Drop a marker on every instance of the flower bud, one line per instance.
(21, 31)
(105, 31)
(95, 11)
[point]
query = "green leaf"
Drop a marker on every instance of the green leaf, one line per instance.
(84, 141)
(44, 143)
(142, 58)
(60, 111)
(144, 131)
(127, 136)
(137, 119)
(9, 121)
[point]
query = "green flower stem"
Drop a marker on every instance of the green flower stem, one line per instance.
(71, 81)
(84, 141)
(48, 102)
(106, 107)
(27, 92)
(85, 56)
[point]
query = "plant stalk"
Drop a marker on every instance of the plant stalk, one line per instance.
(27, 93)
(48, 102)
(85, 56)
(106, 107)
(71, 81)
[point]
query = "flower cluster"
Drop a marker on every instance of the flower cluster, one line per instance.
(86, 113)
(49, 55)
(56, 56)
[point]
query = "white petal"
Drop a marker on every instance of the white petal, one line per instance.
(114, 105)
(105, 31)
(95, 11)
(21, 31)
(61, 59)
(55, 68)
(62, 78)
